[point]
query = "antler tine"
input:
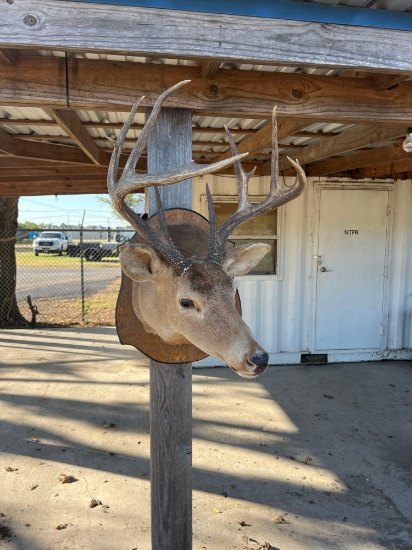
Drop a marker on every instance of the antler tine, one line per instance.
(148, 128)
(214, 253)
(276, 197)
(169, 252)
(242, 176)
(244, 205)
(118, 146)
(130, 181)
(274, 161)
(159, 239)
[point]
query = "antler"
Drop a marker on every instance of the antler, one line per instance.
(129, 181)
(246, 210)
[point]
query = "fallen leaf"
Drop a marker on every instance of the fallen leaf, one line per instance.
(217, 511)
(280, 520)
(94, 502)
(10, 469)
(32, 487)
(65, 478)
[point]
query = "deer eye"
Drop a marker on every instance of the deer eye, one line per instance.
(186, 303)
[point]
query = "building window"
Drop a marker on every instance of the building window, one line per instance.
(262, 229)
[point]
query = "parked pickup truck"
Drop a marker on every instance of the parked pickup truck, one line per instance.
(93, 251)
(102, 250)
(51, 241)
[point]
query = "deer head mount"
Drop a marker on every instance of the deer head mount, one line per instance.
(178, 300)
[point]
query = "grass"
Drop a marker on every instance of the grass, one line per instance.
(26, 258)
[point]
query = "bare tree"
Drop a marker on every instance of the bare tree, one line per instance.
(10, 315)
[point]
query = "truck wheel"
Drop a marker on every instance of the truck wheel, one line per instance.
(60, 251)
(36, 253)
(90, 255)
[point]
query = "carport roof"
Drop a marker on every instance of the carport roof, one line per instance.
(58, 105)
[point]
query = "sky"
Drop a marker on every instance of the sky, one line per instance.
(67, 209)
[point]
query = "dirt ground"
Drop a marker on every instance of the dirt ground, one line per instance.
(302, 458)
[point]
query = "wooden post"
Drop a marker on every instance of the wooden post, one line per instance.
(170, 145)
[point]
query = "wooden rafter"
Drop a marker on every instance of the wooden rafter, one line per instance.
(59, 188)
(343, 143)
(7, 56)
(262, 139)
(117, 125)
(370, 157)
(39, 80)
(70, 123)
(388, 169)
(389, 81)
(209, 69)
(6, 143)
(130, 141)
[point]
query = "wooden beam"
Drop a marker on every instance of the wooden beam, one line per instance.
(7, 56)
(70, 123)
(23, 163)
(128, 141)
(320, 135)
(209, 69)
(52, 178)
(6, 143)
(346, 141)
(40, 80)
(14, 166)
(23, 173)
(62, 26)
(49, 151)
(389, 169)
(370, 157)
(46, 151)
(388, 81)
(381, 81)
(53, 187)
(262, 139)
(117, 125)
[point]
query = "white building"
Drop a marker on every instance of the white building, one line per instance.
(340, 282)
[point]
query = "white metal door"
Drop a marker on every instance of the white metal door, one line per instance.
(351, 260)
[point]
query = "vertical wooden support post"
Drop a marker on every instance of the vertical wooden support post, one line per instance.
(170, 145)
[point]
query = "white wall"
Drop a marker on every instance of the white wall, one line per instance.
(278, 308)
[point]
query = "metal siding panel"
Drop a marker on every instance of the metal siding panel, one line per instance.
(278, 310)
(400, 272)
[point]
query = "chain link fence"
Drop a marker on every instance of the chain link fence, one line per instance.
(68, 277)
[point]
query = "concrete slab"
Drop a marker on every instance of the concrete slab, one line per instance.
(303, 458)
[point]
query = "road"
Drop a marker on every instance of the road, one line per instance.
(47, 282)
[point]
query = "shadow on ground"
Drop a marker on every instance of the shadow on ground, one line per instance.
(304, 457)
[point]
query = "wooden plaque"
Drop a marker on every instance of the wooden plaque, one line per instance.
(190, 233)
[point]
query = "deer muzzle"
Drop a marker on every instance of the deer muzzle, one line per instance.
(256, 363)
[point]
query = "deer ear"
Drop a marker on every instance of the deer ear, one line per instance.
(140, 262)
(240, 259)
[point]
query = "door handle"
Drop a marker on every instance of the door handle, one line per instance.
(324, 270)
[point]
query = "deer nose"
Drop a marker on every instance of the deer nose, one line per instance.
(260, 360)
